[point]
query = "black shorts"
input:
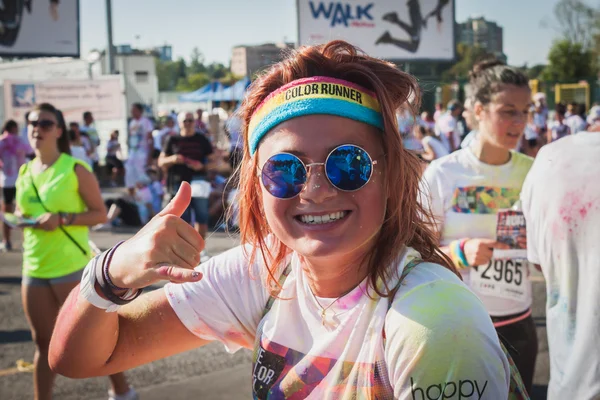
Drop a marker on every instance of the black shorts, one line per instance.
(8, 195)
(114, 162)
(522, 345)
(129, 215)
(532, 142)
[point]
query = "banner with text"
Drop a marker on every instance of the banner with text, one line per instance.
(104, 97)
(390, 29)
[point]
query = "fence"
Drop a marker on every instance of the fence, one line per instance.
(585, 91)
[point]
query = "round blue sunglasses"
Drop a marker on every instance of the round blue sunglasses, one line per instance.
(348, 168)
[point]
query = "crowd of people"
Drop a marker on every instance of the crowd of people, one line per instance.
(50, 177)
(436, 135)
(383, 254)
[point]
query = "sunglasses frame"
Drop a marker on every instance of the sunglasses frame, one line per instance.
(36, 123)
(308, 169)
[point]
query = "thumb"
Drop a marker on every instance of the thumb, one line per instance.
(178, 274)
(180, 202)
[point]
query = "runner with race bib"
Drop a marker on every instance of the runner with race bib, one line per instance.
(472, 189)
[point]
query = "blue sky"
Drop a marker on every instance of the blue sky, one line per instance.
(216, 26)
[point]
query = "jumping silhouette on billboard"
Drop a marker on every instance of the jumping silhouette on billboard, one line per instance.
(417, 23)
(11, 16)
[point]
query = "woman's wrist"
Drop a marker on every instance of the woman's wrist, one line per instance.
(66, 219)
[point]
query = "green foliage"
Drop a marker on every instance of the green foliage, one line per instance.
(535, 71)
(186, 77)
(568, 62)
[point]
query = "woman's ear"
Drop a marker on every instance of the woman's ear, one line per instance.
(478, 110)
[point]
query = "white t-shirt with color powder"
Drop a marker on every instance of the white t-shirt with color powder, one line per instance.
(465, 195)
(446, 128)
(439, 337)
(576, 124)
(138, 134)
(561, 203)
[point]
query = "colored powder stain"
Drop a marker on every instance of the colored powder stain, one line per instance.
(237, 337)
(583, 211)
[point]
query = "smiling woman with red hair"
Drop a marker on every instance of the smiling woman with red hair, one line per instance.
(338, 285)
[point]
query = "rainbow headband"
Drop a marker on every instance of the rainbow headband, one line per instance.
(315, 95)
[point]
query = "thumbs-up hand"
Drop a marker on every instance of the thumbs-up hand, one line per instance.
(166, 248)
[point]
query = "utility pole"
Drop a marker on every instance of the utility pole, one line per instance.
(111, 49)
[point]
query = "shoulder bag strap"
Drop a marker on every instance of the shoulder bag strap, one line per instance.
(62, 228)
(273, 297)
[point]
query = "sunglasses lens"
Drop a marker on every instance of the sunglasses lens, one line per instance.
(283, 175)
(349, 167)
(45, 124)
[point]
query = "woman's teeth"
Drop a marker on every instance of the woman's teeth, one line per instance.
(323, 219)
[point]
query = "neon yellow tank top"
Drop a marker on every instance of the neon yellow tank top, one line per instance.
(49, 255)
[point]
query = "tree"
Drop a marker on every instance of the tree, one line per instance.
(192, 82)
(535, 71)
(196, 62)
(569, 61)
(467, 57)
(167, 73)
(577, 22)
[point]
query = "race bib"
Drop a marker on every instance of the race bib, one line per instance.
(501, 278)
(200, 188)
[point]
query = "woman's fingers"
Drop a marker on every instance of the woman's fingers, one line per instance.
(189, 234)
(177, 274)
(184, 255)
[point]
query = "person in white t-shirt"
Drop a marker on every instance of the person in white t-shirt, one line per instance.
(160, 136)
(330, 230)
(530, 142)
(560, 200)
(140, 144)
(432, 147)
(446, 126)
(465, 191)
(558, 129)
(88, 129)
(576, 121)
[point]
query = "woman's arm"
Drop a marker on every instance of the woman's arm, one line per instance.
(89, 190)
(428, 153)
(165, 161)
(141, 332)
(146, 329)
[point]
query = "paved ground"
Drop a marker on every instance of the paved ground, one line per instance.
(205, 373)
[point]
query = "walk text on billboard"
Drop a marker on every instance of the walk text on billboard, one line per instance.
(343, 13)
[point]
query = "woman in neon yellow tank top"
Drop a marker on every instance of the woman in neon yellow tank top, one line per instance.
(63, 195)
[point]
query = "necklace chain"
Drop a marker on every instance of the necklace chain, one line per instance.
(324, 309)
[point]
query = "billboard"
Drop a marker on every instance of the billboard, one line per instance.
(103, 97)
(391, 29)
(37, 28)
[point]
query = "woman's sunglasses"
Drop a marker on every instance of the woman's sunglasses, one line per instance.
(347, 167)
(42, 124)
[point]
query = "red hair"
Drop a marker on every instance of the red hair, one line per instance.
(407, 223)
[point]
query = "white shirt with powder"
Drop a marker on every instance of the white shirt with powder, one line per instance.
(439, 337)
(561, 203)
(465, 195)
